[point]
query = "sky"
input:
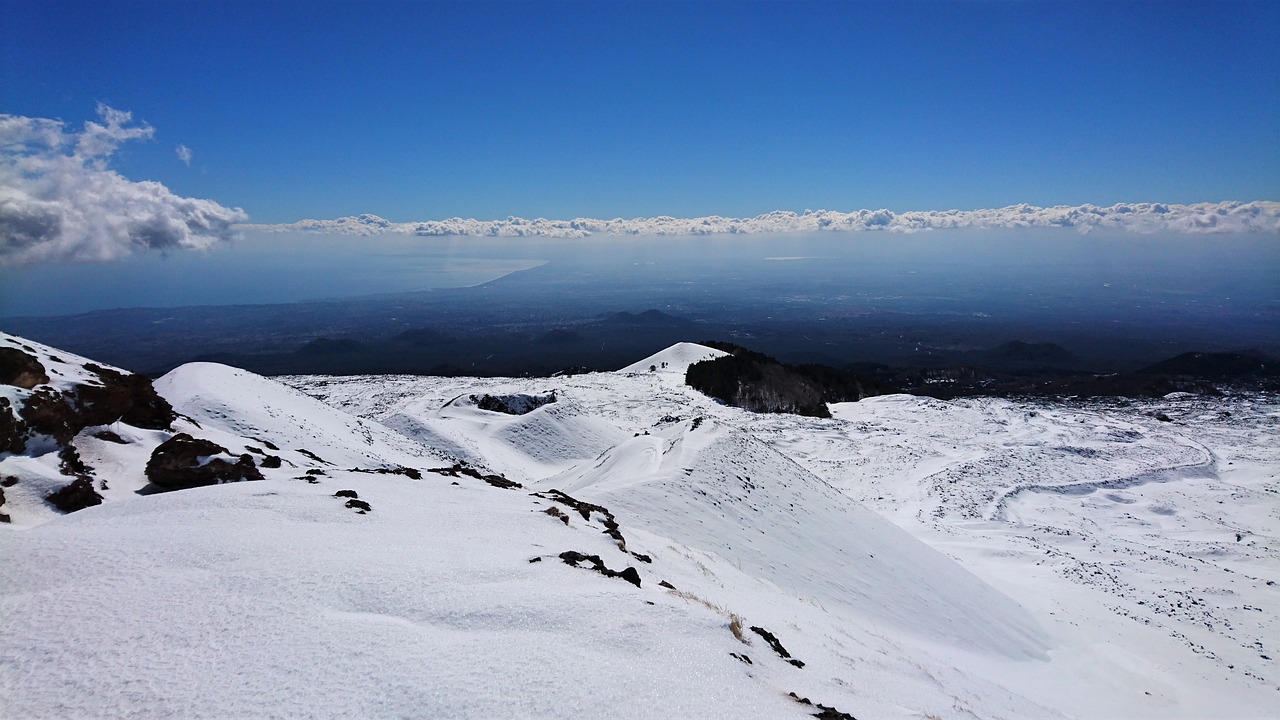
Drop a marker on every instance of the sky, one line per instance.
(419, 111)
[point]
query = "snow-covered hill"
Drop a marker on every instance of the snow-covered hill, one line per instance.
(616, 544)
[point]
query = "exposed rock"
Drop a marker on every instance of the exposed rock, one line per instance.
(128, 398)
(460, 469)
(271, 461)
(517, 404)
(411, 473)
(826, 712)
(759, 383)
(572, 557)
(183, 462)
(585, 509)
(110, 436)
(359, 506)
(346, 494)
(62, 415)
(776, 645)
(71, 464)
(13, 431)
(78, 495)
(21, 369)
(309, 454)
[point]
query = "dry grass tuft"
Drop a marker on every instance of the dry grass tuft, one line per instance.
(735, 620)
(735, 627)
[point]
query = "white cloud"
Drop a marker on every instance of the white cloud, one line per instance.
(184, 154)
(1222, 217)
(60, 201)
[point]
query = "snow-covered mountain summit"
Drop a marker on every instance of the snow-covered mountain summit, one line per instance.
(619, 544)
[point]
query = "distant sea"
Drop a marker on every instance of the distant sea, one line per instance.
(259, 269)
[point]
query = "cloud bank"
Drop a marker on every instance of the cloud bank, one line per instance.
(1222, 217)
(59, 200)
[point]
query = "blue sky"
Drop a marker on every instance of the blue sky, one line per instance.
(421, 110)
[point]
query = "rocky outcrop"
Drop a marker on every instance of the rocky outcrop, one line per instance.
(21, 369)
(184, 461)
(516, 404)
(127, 398)
(61, 415)
(13, 432)
(758, 383)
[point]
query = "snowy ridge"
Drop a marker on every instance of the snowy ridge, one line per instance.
(1208, 217)
(675, 359)
(722, 491)
(239, 402)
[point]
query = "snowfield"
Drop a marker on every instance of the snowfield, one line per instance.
(636, 549)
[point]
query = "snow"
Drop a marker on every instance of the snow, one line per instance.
(975, 558)
(675, 359)
(243, 404)
(272, 598)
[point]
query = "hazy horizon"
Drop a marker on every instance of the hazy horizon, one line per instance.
(1059, 163)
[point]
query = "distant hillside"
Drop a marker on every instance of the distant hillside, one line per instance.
(650, 318)
(1219, 366)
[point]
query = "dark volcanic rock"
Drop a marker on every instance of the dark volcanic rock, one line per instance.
(573, 557)
(518, 404)
(120, 397)
(127, 398)
(21, 369)
(758, 383)
(76, 496)
(177, 464)
(13, 431)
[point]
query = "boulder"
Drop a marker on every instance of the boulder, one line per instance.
(184, 461)
(76, 496)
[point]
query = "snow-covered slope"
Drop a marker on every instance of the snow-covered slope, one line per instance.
(1149, 605)
(719, 490)
(272, 599)
(239, 402)
(535, 444)
(667, 556)
(675, 359)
